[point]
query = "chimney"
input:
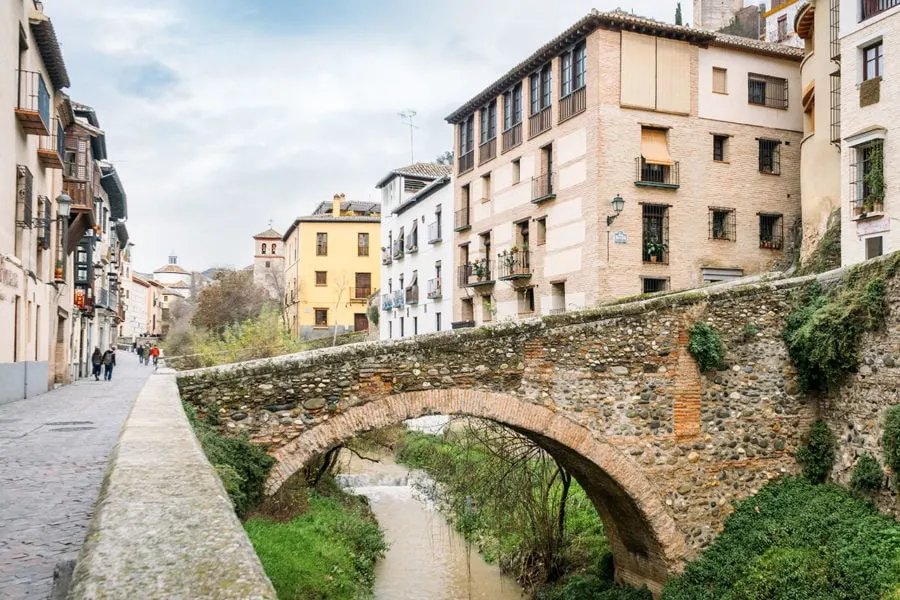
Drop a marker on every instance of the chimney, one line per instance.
(336, 205)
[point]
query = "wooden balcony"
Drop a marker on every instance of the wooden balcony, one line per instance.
(487, 151)
(81, 194)
(512, 137)
(52, 148)
(540, 122)
(573, 104)
(33, 103)
(466, 162)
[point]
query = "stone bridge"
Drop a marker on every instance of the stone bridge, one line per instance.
(661, 449)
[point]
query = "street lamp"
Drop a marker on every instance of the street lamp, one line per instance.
(64, 205)
(618, 205)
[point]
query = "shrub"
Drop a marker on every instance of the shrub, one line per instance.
(797, 541)
(817, 456)
(867, 475)
(890, 439)
(590, 587)
(706, 346)
(374, 314)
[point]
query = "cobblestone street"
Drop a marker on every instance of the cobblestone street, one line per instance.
(53, 451)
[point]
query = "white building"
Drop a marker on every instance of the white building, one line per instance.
(870, 153)
(780, 22)
(136, 313)
(172, 273)
(417, 251)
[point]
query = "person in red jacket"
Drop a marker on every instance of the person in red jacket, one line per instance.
(154, 352)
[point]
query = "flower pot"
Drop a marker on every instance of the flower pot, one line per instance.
(58, 274)
(653, 258)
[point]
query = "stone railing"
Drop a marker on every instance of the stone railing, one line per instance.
(164, 526)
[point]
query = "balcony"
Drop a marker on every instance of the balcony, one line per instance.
(540, 122)
(398, 299)
(870, 8)
(81, 194)
(466, 161)
(412, 243)
(434, 288)
(434, 232)
(661, 176)
(476, 273)
(573, 104)
(360, 294)
(386, 257)
(101, 298)
(33, 103)
(512, 137)
(461, 221)
(542, 188)
(514, 264)
(397, 251)
(487, 151)
(113, 301)
(52, 148)
(387, 301)
(412, 294)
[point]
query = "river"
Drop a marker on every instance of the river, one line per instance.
(428, 559)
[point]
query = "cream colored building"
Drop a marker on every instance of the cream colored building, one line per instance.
(781, 22)
(268, 263)
(698, 133)
(35, 311)
(870, 148)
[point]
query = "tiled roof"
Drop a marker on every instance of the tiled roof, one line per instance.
(365, 208)
(421, 170)
(268, 234)
(171, 269)
(617, 21)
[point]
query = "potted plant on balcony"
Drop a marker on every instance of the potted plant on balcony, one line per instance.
(655, 249)
(58, 271)
(509, 259)
(479, 269)
(873, 181)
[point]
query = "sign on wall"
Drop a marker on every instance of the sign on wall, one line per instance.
(874, 226)
(620, 237)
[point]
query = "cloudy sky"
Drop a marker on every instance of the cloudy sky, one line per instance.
(223, 114)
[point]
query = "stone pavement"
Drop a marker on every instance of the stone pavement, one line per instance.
(53, 452)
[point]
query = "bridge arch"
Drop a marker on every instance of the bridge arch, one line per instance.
(645, 542)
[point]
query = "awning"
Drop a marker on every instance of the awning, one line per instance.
(115, 191)
(654, 147)
(122, 233)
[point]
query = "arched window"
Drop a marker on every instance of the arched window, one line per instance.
(264, 248)
(273, 248)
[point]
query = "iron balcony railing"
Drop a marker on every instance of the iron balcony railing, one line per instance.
(386, 257)
(870, 8)
(650, 175)
(512, 137)
(434, 232)
(475, 273)
(412, 242)
(412, 294)
(398, 249)
(467, 161)
(462, 219)
(52, 148)
(434, 288)
(543, 188)
(387, 301)
(513, 264)
(398, 299)
(33, 102)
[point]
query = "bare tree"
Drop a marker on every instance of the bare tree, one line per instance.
(341, 282)
(445, 158)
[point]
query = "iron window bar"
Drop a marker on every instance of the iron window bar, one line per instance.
(771, 231)
(764, 90)
(722, 224)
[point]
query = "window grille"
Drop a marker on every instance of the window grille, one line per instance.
(771, 231)
(362, 244)
(321, 244)
(652, 285)
(655, 233)
(764, 90)
(722, 224)
(874, 247)
(836, 108)
(770, 157)
(866, 187)
(834, 26)
(24, 197)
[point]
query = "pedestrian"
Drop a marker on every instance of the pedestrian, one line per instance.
(140, 353)
(96, 361)
(134, 346)
(109, 361)
(154, 352)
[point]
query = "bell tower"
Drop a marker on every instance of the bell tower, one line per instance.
(268, 262)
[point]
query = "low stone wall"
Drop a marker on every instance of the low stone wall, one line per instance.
(164, 526)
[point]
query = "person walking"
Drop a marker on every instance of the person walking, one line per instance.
(109, 361)
(154, 352)
(96, 361)
(140, 353)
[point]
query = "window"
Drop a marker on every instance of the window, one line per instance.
(268, 264)
(402, 323)
(412, 185)
(782, 28)
(273, 249)
(516, 171)
(867, 183)
(541, 90)
(580, 65)
(719, 144)
(651, 285)
(321, 277)
(767, 91)
(722, 224)
(415, 325)
(263, 249)
(487, 309)
(771, 231)
(362, 244)
(486, 187)
(526, 301)
(321, 317)
(467, 310)
(321, 244)
(390, 330)
(655, 233)
(541, 224)
(873, 61)
(558, 298)
(874, 247)
(720, 80)
(489, 122)
(466, 139)
(363, 287)
(512, 107)
(770, 157)
(437, 321)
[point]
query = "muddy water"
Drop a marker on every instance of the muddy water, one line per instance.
(428, 559)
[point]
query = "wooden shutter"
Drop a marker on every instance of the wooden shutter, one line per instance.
(638, 70)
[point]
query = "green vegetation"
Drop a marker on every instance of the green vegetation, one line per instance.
(706, 346)
(329, 551)
(817, 455)
(827, 254)
(242, 466)
(890, 440)
(796, 540)
(867, 474)
(520, 508)
(823, 332)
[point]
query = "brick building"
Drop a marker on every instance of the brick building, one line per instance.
(625, 156)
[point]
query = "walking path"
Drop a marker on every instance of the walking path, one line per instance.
(53, 451)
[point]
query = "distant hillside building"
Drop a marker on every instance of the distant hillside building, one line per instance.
(780, 21)
(268, 262)
(715, 14)
(171, 273)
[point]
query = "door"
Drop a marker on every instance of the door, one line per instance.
(360, 322)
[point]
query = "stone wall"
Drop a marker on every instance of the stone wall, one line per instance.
(621, 373)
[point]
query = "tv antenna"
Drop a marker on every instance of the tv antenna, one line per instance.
(407, 117)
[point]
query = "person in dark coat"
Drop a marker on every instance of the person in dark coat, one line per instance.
(109, 361)
(140, 353)
(96, 361)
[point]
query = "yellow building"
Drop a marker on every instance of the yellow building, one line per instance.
(332, 266)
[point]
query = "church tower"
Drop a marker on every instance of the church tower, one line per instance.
(268, 262)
